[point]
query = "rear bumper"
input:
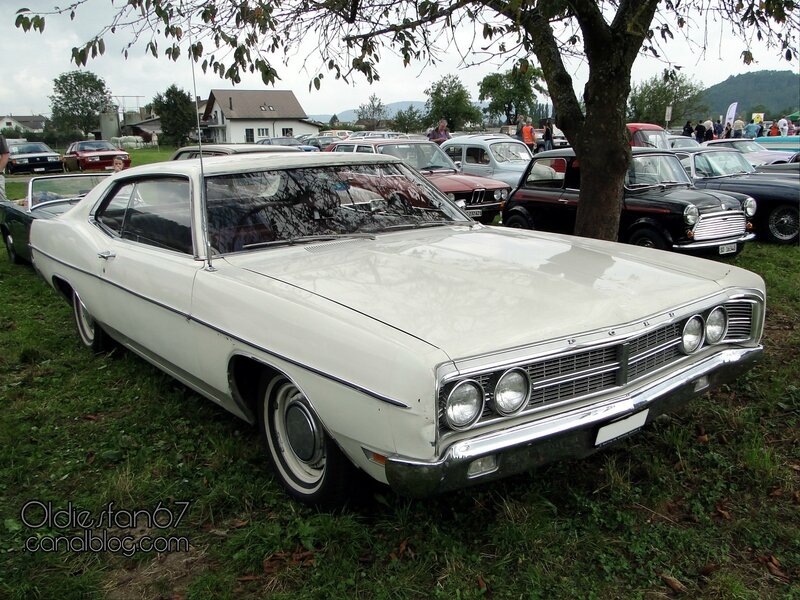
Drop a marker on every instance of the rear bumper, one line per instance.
(567, 435)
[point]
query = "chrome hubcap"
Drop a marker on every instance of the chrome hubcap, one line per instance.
(302, 433)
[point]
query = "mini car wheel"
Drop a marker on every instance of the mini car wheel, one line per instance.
(12, 254)
(91, 334)
(306, 460)
(519, 221)
(783, 225)
(649, 238)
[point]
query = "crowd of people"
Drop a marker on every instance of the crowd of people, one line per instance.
(707, 130)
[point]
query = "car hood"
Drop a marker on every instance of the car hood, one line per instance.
(34, 155)
(458, 182)
(475, 290)
(99, 152)
(705, 200)
(766, 157)
(765, 181)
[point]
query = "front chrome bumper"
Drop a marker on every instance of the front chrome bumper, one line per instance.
(715, 243)
(570, 434)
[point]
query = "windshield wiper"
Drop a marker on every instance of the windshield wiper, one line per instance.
(417, 225)
(434, 167)
(306, 239)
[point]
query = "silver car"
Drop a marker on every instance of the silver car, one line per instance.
(496, 156)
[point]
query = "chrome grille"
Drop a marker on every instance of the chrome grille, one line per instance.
(478, 196)
(720, 225)
(578, 374)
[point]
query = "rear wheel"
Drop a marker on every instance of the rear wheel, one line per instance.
(519, 221)
(783, 224)
(91, 334)
(649, 238)
(12, 254)
(308, 463)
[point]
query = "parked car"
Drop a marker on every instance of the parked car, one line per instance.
(778, 195)
(47, 197)
(559, 139)
(93, 155)
(682, 141)
(755, 153)
(378, 134)
(660, 207)
(356, 316)
(187, 152)
(481, 196)
(494, 156)
(305, 146)
(340, 133)
(648, 135)
(320, 142)
(32, 157)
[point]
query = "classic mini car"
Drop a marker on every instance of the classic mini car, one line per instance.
(755, 153)
(32, 157)
(93, 155)
(339, 302)
(289, 141)
(778, 195)
(494, 156)
(481, 196)
(661, 209)
(188, 152)
(47, 197)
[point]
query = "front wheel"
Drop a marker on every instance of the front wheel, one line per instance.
(518, 221)
(308, 463)
(649, 238)
(783, 224)
(91, 334)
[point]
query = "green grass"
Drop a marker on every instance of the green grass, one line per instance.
(707, 497)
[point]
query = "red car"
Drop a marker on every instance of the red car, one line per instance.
(648, 135)
(93, 155)
(481, 196)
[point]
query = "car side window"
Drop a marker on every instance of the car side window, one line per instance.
(454, 152)
(547, 172)
(366, 149)
(155, 212)
(476, 156)
(344, 148)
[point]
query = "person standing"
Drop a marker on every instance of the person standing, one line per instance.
(738, 127)
(440, 134)
(520, 127)
(4, 154)
(783, 125)
(688, 130)
(118, 164)
(751, 129)
(728, 132)
(700, 132)
(548, 135)
(718, 129)
(529, 136)
(709, 133)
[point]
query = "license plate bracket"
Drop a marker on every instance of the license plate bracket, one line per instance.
(727, 248)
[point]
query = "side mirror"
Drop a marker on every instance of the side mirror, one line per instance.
(457, 163)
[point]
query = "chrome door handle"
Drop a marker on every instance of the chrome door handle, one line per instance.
(106, 254)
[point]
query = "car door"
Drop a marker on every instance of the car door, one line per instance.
(549, 193)
(148, 267)
(477, 161)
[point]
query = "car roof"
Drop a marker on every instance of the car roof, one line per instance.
(635, 150)
(382, 141)
(483, 137)
(704, 149)
(241, 163)
(237, 148)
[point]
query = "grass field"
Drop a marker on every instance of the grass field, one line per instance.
(707, 502)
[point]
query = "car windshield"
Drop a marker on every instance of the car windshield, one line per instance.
(260, 209)
(683, 142)
(29, 148)
(423, 157)
(96, 145)
(509, 151)
(720, 164)
(655, 169)
(49, 189)
(651, 138)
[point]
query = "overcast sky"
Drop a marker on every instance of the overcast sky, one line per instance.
(31, 61)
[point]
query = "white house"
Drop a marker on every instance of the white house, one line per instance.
(250, 115)
(26, 124)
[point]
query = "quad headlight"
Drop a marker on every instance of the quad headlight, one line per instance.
(716, 325)
(500, 194)
(464, 404)
(749, 206)
(511, 392)
(692, 336)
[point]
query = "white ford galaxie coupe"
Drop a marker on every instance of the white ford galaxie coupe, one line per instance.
(364, 322)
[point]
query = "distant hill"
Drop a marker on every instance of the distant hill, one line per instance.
(351, 115)
(773, 92)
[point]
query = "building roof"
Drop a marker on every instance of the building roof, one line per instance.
(255, 104)
(29, 121)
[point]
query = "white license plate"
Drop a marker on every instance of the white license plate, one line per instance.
(108, 168)
(727, 248)
(474, 213)
(618, 429)
(38, 170)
